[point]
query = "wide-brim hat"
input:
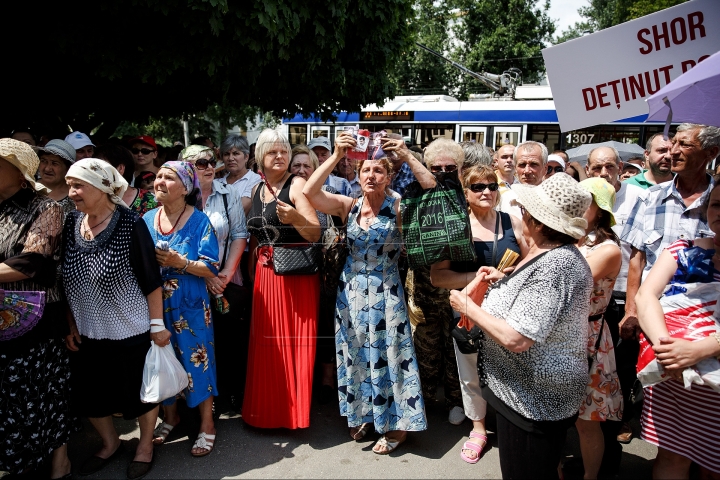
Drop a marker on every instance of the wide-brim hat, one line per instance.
(603, 193)
(559, 202)
(23, 157)
(61, 148)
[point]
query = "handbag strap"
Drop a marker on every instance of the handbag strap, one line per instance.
(497, 229)
(227, 242)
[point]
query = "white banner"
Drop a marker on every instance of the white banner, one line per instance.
(608, 75)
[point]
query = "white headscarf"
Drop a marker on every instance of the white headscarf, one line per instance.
(101, 175)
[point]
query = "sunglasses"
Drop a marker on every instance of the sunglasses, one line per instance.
(441, 168)
(555, 169)
(145, 151)
(203, 163)
(480, 187)
(522, 210)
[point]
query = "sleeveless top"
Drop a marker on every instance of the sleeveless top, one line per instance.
(263, 222)
(603, 288)
(484, 250)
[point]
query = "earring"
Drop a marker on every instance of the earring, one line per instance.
(24, 185)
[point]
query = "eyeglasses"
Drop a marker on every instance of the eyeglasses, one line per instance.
(555, 169)
(443, 168)
(145, 151)
(480, 187)
(203, 163)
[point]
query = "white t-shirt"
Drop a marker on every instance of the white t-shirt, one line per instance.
(625, 199)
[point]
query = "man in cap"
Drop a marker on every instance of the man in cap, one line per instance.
(323, 150)
(84, 148)
(668, 211)
(657, 161)
(55, 160)
(144, 152)
(530, 160)
(555, 164)
(634, 166)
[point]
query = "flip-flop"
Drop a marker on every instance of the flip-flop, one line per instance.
(474, 447)
(204, 441)
(358, 433)
(390, 444)
(162, 432)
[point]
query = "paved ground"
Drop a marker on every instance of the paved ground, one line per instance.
(325, 450)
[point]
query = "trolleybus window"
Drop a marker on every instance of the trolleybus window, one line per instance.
(298, 134)
(425, 134)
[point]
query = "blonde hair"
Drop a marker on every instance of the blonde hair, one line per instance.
(304, 150)
(480, 172)
(447, 147)
(265, 142)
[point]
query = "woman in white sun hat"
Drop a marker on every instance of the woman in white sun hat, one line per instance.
(533, 352)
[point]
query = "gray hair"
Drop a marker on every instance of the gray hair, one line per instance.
(614, 150)
(475, 154)
(528, 147)
(265, 142)
(234, 141)
(707, 136)
(444, 146)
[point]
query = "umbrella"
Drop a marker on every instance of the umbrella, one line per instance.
(626, 151)
(692, 97)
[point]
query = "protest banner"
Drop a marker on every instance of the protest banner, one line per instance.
(607, 76)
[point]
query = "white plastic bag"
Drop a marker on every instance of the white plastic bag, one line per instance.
(163, 375)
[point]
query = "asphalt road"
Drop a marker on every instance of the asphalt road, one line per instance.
(325, 450)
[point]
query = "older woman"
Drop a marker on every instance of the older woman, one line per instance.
(378, 379)
(303, 161)
(56, 157)
(682, 422)
(235, 154)
(137, 199)
(187, 250)
(223, 206)
(113, 289)
(33, 361)
(285, 307)
(428, 306)
(493, 233)
(533, 351)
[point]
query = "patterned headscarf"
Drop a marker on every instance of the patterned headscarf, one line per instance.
(189, 153)
(187, 175)
(101, 175)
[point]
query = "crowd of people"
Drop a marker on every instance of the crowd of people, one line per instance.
(278, 276)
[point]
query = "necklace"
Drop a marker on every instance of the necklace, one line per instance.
(87, 232)
(548, 245)
(173, 227)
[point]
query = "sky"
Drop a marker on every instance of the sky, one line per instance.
(565, 12)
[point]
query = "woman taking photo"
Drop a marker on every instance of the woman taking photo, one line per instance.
(33, 360)
(224, 208)
(113, 288)
(187, 250)
(285, 307)
(681, 422)
(603, 400)
(493, 233)
(371, 313)
(532, 360)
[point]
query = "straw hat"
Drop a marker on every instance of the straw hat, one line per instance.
(559, 202)
(22, 157)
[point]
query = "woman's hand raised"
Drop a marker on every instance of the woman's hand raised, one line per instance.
(343, 142)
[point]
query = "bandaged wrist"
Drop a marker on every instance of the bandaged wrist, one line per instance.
(156, 325)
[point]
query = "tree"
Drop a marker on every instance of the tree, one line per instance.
(92, 64)
(495, 35)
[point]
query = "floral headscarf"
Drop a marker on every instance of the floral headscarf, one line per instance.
(101, 175)
(188, 176)
(189, 153)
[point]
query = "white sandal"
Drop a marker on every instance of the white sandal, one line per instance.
(161, 433)
(390, 444)
(204, 441)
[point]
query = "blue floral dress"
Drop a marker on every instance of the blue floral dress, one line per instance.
(186, 304)
(378, 378)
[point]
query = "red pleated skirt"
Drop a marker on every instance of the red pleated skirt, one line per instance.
(283, 331)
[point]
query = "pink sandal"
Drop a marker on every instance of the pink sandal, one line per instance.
(474, 447)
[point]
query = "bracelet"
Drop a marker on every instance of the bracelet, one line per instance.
(303, 227)
(187, 263)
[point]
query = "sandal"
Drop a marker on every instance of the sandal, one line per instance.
(204, 441)
(474, 447)
(161, 433)
(358, 433)
(390, 444)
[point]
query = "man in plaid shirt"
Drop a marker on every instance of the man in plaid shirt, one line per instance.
(669, 211)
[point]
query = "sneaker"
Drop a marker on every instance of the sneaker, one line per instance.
(457, 416)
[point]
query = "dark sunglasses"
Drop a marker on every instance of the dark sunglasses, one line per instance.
(203, 163)
(556, 169)
(441, 168)
(480, 187)
(522, 210)
(145, 151)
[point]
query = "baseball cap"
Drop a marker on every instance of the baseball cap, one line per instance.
(627, 165)
(320, 142)
(144, 139)
(556, 158)
(60, 148)
(603, 193)
(78, 140)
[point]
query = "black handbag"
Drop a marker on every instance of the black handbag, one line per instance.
(296, 259)
(469, 341)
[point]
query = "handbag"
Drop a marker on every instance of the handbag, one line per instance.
(19, 312)
(220, 303)
(469, 341)
(296, 259)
